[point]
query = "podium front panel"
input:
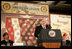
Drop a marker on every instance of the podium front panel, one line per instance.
(45, 35)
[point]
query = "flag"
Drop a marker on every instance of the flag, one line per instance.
(21, 30)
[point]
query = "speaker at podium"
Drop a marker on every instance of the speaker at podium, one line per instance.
(50, 38)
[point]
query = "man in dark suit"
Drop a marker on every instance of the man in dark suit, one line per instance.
(6, 41)
(39, 28)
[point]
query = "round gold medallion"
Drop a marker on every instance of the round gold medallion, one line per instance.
(43, 8)
(6, 6)
(52, 33)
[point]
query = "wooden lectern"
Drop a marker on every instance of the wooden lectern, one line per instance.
(50, 38)
(50, 44)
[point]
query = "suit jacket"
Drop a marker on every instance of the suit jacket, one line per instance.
(3, 42)
(38, 29)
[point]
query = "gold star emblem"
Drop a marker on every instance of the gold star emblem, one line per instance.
(29, 34)
(11, 33)
(28, 26)
(23, 34)
(33, 34)
(25, 29)
(34, 25)
(26, 37)
(34, 41)
(23, 25)
(9, 20)
(31, 22)
(30, 37)
(31, 29)
(9, 37)
(9, 29)
(20, 21)
(12, 24)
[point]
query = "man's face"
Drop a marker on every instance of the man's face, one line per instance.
(43, 22)
(6, 37)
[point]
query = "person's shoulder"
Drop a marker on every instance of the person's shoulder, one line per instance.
(3, 41)
(38, 26)
(47, 24)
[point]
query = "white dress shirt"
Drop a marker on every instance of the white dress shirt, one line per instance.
(44, 27)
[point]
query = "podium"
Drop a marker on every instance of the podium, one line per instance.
(50, 38)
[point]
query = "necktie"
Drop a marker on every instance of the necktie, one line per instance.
(44, 27)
